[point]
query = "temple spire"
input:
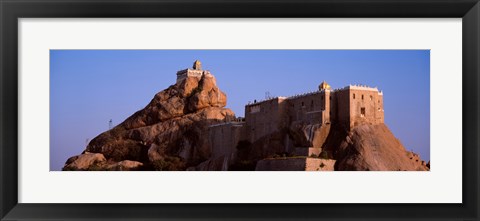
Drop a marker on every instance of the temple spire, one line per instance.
(324, 85)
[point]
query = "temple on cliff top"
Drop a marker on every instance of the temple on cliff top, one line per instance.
(347, 107)
(195, 71)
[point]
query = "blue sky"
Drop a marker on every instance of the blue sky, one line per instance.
(90, 87)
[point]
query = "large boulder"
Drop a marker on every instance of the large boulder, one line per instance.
(125, 165)
(86, 161)
(96, 161)
(206, 95)
(308, 135)
(374, 147)
(221, 163)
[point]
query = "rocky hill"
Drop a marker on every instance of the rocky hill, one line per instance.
(373, 147)
(168, 134)
(173, 133)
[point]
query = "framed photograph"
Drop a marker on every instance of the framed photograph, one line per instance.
(239, 110)
(202, 120)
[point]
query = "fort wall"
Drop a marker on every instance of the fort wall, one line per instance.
(342, 108)
(316, 164)
(295, 164)
(313, 108)
(366, 106)
(265, 117)
(329, 108)
(225, 137)
(307, 108)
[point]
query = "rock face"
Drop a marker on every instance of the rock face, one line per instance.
(86, 161)
(374, 147)
(126, 165)
(364, 148)
(309, 135)
(168, 134)
(96, 161)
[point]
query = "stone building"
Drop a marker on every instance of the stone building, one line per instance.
(348, 107)
(195, 71)
(359, 104)
(308, 118)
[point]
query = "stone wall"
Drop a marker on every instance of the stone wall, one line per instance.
(317, 164)
(307, 151)
(281, 164)
(307, 108)
(225, 137)
(341, 108)
(264, 118)
(295, 164)
(366, 106)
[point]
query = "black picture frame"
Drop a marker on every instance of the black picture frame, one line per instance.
(12, 10)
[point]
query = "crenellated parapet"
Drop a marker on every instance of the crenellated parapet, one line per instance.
(181, 75)
(195, 71)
